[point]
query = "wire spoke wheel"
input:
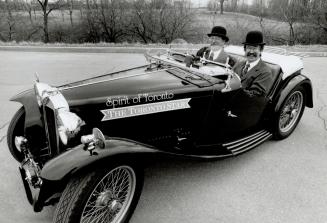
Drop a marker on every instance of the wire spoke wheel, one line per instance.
(291, 111)
(111, 197)
(107, 194)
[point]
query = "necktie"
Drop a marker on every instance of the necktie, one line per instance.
(209, 55)
(245, 70)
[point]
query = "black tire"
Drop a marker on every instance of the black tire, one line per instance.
(281, 131)
(82, 192)
(16, 128)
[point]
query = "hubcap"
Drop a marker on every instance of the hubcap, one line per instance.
(290, 111)
(111, 198)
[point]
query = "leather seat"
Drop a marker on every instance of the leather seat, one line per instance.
(277, 76)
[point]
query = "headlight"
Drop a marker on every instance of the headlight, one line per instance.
(20, 142)
(69, 124)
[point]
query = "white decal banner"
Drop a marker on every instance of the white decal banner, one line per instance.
(136, 110)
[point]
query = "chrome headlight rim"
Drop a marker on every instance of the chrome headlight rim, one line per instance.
(68, 123)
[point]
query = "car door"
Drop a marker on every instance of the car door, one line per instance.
(244, 112)
(232, 115)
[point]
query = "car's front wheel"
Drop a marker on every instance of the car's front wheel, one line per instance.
(290, 113)
(105, 195)
(16, 128)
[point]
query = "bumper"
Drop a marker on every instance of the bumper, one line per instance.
(42, 196)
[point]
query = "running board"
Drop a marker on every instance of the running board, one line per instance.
(247, 143)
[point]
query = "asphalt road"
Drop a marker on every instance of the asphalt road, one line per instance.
(279, 181)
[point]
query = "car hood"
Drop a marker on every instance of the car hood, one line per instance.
(149, 86)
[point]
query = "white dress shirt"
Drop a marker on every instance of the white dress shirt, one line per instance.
(214, 54)
(252, 64)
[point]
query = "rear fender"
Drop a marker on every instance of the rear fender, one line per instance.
(299, 80)
(76, 159)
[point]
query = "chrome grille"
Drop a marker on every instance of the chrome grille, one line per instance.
(51, 132)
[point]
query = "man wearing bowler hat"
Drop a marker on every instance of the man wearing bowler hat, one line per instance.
(256, 76)
(215, 52)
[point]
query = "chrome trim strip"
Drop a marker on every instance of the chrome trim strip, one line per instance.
(45, 155)
(252, 143)
(247, 140)
(239, 140)
(117, 78)
(101, 76)
(199, 156)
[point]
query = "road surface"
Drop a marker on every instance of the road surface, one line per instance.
(279, 181)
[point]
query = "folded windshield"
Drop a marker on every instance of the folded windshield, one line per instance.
(210, 72)
(197, 79)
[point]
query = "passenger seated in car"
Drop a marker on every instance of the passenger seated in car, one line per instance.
(215, 52)
(256, 76)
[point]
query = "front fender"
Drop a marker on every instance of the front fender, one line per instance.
(77, 158)
(299, 80)
(32, 111)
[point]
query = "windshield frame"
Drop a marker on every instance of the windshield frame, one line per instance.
(166, 60)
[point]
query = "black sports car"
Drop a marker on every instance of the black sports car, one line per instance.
(83, 144)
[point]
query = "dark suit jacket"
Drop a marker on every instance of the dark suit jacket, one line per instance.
(222, 57)
(257, 81)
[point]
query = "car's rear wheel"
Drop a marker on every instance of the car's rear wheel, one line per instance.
(290, 113)
(105, 195)
(16, 128)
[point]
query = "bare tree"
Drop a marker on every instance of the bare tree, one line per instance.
(46, 10)
(28, 7)
(174, 21)
(34, 27)
(93, 31)
(271, 30)
(259, 7)
(70, 11)
(112, 17)
(143, 23)
(213, 5)
(10, 20)
(234, 5)
(160, 21)
(222, 6)
(318, 13)
(291, 12)
(106, 19)
(2, 18)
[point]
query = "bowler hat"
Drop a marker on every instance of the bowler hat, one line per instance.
(219, 31)
(254, 38)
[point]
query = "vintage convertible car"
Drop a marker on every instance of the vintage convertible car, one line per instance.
(83, 144)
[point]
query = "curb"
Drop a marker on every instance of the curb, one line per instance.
(139, 50)
(309, 54)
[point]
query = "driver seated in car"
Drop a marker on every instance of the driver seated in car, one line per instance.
(256, 76)
(215, 52)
